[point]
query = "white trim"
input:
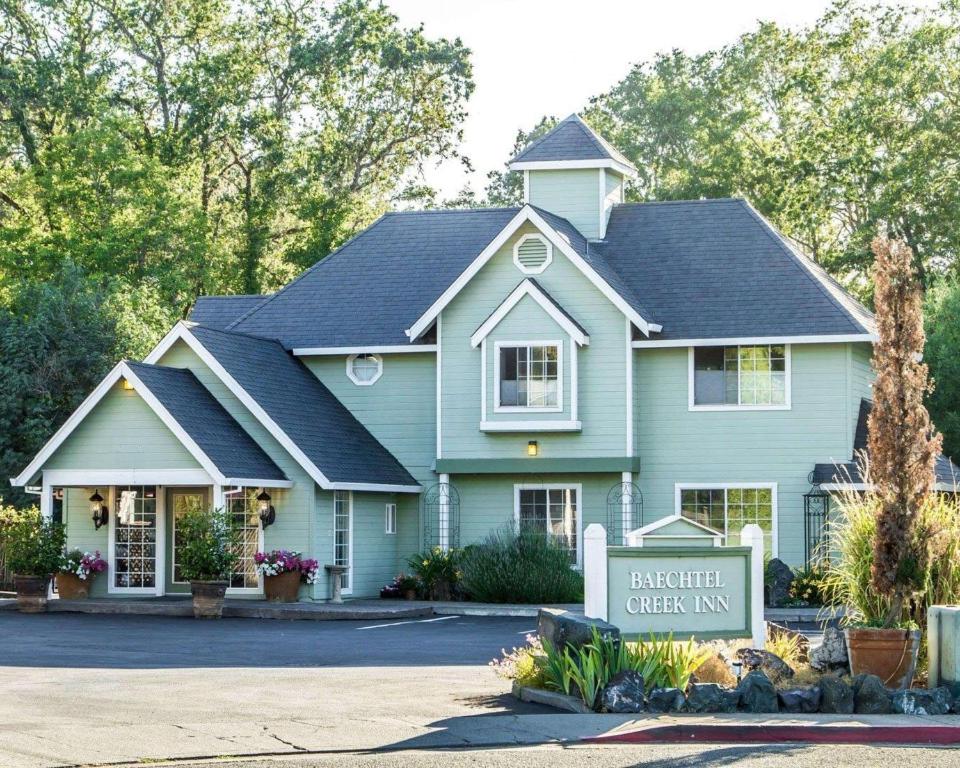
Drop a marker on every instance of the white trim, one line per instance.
(439, 384)
(574, 383)
(443, 513)
(483, 379)
(159, 571)
(752, 340)
(516, 254)
(572, 165)
(181, 331)
(942, 487)
(526, 187)
(361, 382)
(390, 519)
(629, 388)
(524, 215)
(528, 288)
(665, 521)
(173, 532)
(259, 482)
(84, 478)
(497, 346)
(774, 505)
(386, 349)
(578, 487)
(531, 426)
(788, 395)
(602, 221)
(347, 590)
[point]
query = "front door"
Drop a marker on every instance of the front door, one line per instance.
(136, 530)
(179, 500)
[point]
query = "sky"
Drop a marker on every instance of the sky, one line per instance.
(548, 57)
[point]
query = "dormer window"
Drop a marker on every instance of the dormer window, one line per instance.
(532, 254)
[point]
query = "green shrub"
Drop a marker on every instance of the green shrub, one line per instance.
(520, 567)
(208, 552)
(438, 572)
(32, 545)
(809, 586)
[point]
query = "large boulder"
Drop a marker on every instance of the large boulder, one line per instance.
(705, 697)
(831, 654)
(803, 701)
(624, 693)
(769, 663)
(778, 578)
(730, 700)
(836, 697)
(665, 700)
(916, 701)
(757, 694)
(870, 697)
(566, 628)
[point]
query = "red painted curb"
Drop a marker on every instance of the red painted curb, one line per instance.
(811, 734)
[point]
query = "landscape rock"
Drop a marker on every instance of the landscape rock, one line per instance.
(566, 628)
(870, 697)
(800, 700)
(916, 701)
(665, 700)
(779, 577)
(757, 694)
(831, 654)
(705, 697)
(624, 693)
(836, 697)
(730, 700)
(769, 663)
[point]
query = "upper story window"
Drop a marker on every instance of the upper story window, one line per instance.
(747, 377)
(532, 254)
(364, 370)
(528, 376)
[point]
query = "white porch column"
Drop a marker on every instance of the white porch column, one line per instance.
(46, 498)
(752, 536)
(219, 499)
(444, 514)
(627, 502)
(595, 572)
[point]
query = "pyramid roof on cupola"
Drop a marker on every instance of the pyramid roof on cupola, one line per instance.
(571, 144)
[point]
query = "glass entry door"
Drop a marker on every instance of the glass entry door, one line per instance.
(179, 500)
(134, 539)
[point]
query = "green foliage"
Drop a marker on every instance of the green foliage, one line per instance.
(809, 586)
(437, 570)
(786, 646)
(942, 326)
(32, 545)
(210, 539)
(520, 567)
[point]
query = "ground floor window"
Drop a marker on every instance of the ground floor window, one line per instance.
(343, 535)
(729, 508)
(135, 537)
(245, 516)
(553, 510)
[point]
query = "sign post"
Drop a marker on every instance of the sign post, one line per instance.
(676, 579)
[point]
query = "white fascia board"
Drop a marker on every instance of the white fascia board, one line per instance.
(257, 482)
(87, 478)
(524, 215)
(531, 426)
(376, 487)
(741, 340)
(665, 521)
(942, 487)
(528, 288)
(171, 338)
(390, 349)
(573, 165)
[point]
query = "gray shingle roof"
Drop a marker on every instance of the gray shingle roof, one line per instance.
(715, 269)
(570, 139)
(201, 416)
(221, 311)
(317, 423)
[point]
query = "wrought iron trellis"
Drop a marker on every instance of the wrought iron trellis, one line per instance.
(440, 512)
(624, 511)
(816, 516)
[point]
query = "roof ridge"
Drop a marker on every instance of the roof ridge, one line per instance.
(481, 209)
(231, 332)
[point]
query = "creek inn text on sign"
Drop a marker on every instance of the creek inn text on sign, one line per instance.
(678, 580)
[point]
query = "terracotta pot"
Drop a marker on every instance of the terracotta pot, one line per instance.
(282, 588)
(890, 654)
(208, 598)
(72, 587)
(31, 593)
(410, 594)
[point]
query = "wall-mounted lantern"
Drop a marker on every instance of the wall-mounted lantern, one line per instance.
(98, 511)
(532, 448)
(267, 513)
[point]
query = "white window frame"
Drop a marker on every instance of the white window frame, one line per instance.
(497, 408)
(348, 589)
(774, 513)
(257, 590)
(159, 560)
(360, 382)
(390, 519)
(691, 382)
(516, 254)
(553, 487)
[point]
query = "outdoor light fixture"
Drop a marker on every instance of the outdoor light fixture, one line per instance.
(532, 448)
(98, 510)
(127, 384)
(267, 513)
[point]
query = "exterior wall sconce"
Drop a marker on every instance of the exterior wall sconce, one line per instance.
(267, 513)
(127, 385)
(98, 511)
(532, 448)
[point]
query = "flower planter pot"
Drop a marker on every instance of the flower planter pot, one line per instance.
(72, 587)
(208, 598)
(409, 594)
(31, 593)
(282, 588)
(890, 654)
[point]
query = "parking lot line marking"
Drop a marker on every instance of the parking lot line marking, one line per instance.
(527, 631)
(409, 621)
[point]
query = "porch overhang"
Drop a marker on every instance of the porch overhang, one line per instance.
(82, 478)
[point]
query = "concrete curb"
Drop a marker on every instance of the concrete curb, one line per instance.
(551, 699)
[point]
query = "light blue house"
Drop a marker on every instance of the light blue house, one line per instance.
(444, 374)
